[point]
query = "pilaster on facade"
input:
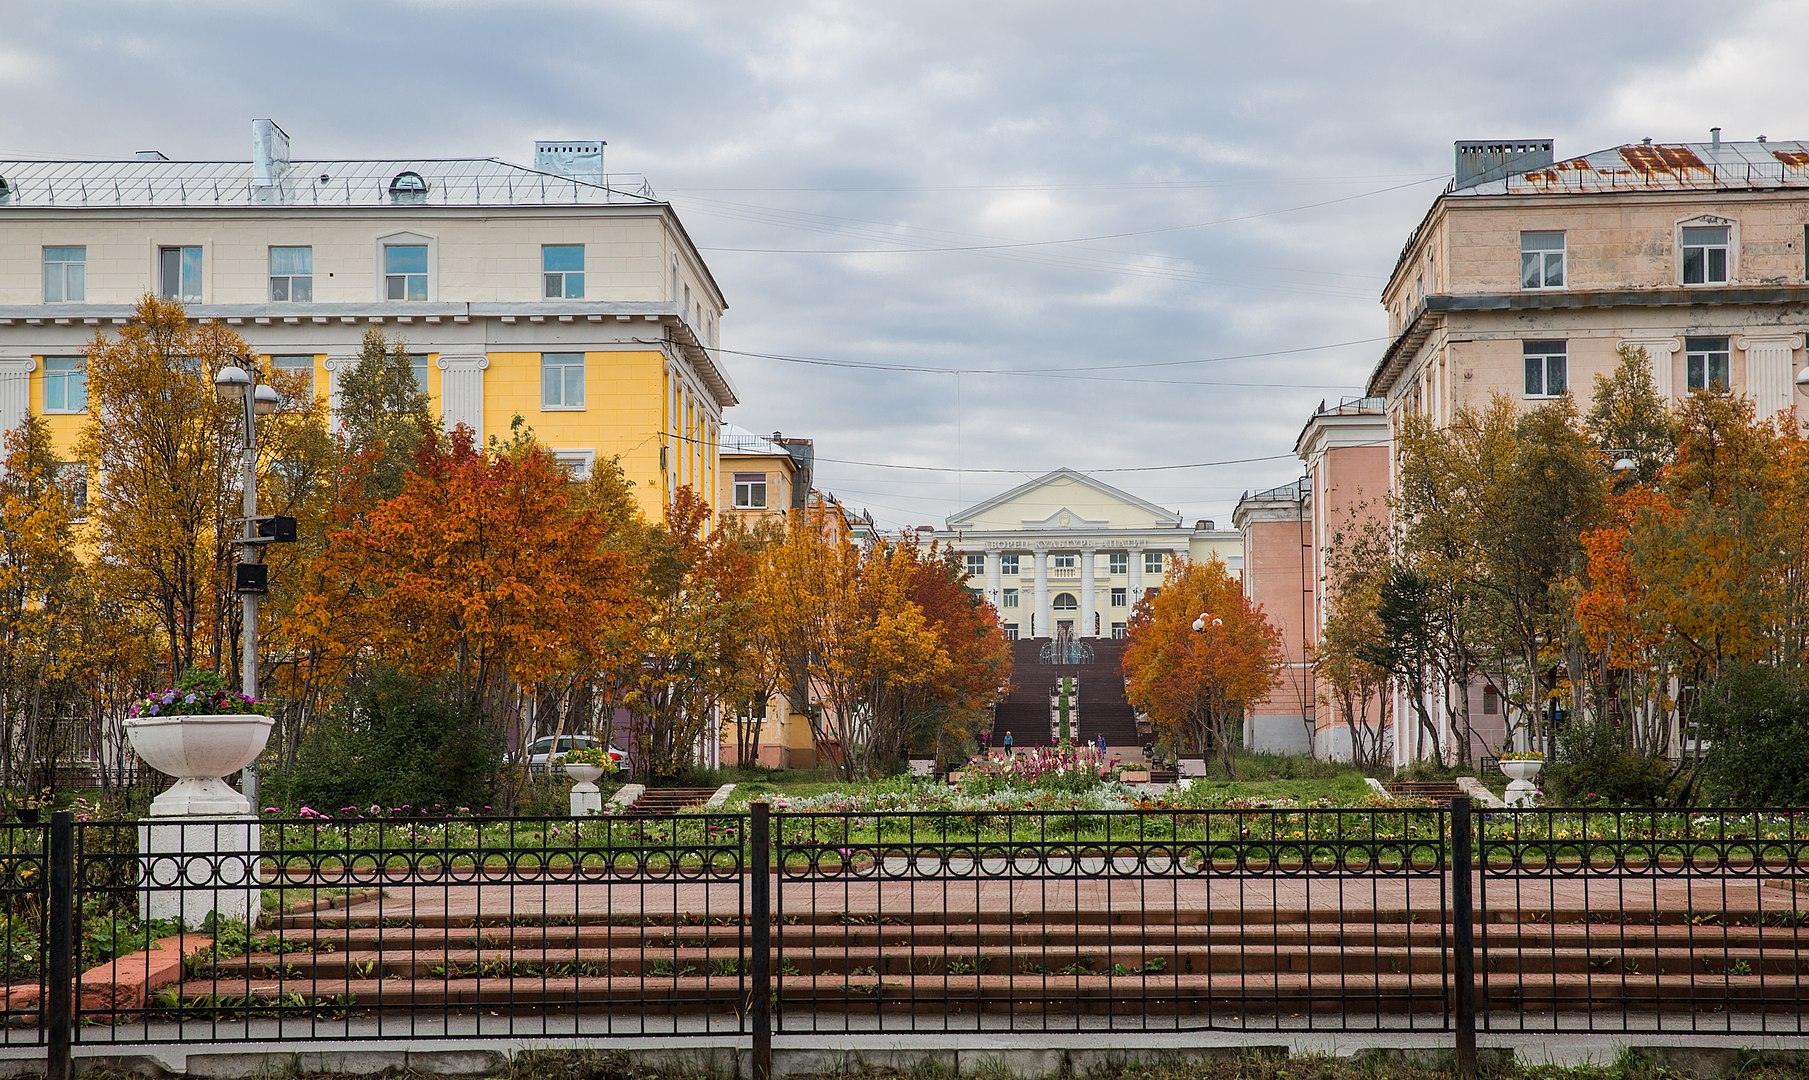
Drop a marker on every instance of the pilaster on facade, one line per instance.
(1659, 351)
(15, 387)
(1770, 370)
(462, 392)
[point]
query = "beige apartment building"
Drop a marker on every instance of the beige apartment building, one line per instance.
(763, 477)
(559, 294)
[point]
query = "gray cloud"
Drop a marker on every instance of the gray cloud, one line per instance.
(843, 124)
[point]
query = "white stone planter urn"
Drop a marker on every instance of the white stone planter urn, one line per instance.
(199, 751)
(1521, 773)
(587, 798)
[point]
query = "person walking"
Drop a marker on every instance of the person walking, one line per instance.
(1007, 744)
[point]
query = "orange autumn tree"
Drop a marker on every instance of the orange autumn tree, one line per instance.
(1194, 685)
(944, 714)
(485, 570)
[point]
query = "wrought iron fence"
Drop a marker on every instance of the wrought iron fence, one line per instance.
(1425, 919)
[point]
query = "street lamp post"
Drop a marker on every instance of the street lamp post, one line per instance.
(235, 383)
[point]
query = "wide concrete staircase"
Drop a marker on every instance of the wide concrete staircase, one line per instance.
(1384, 964)
(1103, 709)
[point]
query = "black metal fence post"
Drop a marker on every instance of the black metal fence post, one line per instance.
(1463, 941)
(760, 911)
(58, 1014)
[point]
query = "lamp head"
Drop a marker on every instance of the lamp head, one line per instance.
(1625, 465)
(1802, 377)
(231, 383)
(265, 399)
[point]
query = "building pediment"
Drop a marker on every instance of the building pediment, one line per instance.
(1062, 500)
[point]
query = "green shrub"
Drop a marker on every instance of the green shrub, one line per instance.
(394, 741)
(1757, 723)
(1594, 765)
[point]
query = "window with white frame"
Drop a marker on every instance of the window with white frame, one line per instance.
(750, 491)
(1011, 631)
(976, 595)
(71, 479)
(1118, 597)
(561, 381)
(1117, 562)
(1065, 602)
(1542, 260)
(1152, 563)
(1008, 598)
(1065, 564)
(179, 273)
(292, 274)
(562, 271)
(65, 274)
(1705, 363)
(65, 384)
(298, 371)
(1705, 254)
(1547, 366)
(576, 463)
(976, 564)
(405, 271)
(417, 366)
(1008, 565)
(1120, 631)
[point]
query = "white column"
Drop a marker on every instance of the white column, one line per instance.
(1087, 599)
(462, 392)
(336, 367)
(15, 389)
(1040, 613)
(1660, 352)
(992, 580)
(1133, 573)
(1770, 378)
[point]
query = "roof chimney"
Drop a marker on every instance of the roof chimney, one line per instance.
(269, 154)
(1715, 137)
(1479, 162)
(577, 159)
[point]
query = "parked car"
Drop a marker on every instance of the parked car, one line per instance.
(543, 756)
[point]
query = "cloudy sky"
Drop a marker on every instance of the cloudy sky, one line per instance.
(1141, 239)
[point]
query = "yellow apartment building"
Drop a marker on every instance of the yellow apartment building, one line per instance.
(558, 293)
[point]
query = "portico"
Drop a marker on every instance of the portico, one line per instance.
(1068, 549)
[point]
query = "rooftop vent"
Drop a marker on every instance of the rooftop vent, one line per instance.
(269, 154)
(1482, 161)
(149, 155)
(577, 159)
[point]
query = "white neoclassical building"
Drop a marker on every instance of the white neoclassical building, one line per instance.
(1068, 550)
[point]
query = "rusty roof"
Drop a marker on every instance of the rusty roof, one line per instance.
(1661, 167)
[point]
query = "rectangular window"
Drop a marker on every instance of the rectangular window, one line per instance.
(65, 274)
(1152, 563)
(65, 384)
(300, 371)
(292, 274)
(1541, 260)
(1118, 597)
(750, 491)
(976, 595)
(1117, 562)
(72, 481)
(976, 564)
(1705, 254)
(1491, 701)
(576, 463)
(1547, 367)
(417, 364)
(179, 274)
(1065, 564)
(1120, 631)
(1008, 565)
(562, 271)
(561, 381)
(1705, 363)
(1010, 598)
(405, 271)
(1011, 631)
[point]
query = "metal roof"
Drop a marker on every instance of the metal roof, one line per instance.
(177, 184)
(739, 440)
(1661, 167)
